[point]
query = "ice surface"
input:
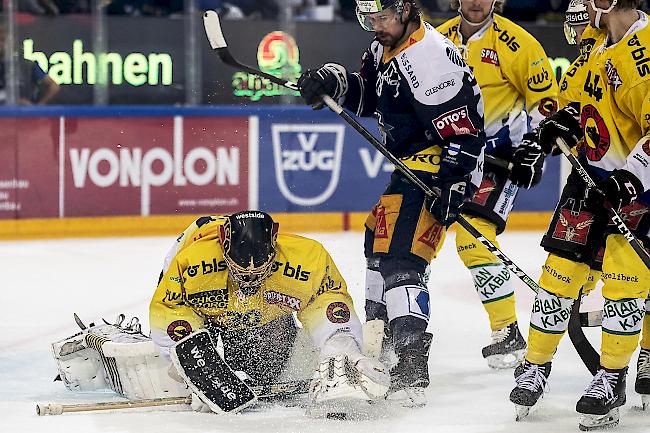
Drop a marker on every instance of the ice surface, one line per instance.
(44, 282)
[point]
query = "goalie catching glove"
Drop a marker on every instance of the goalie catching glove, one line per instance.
(330, 79)
(346, 374)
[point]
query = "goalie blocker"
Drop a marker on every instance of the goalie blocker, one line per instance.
(208, 376)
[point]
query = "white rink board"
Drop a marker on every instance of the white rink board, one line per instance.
(45, 282)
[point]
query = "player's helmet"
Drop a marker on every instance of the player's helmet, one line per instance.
(576, 15)
(368, 7)
(248, 239)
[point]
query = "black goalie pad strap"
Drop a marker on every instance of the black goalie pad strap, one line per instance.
(207, 374)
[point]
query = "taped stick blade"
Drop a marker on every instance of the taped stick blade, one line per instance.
(213, 30)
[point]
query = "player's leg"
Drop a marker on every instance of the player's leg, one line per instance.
(406, 238)
(573, 240)
(493, 283)
(627, 281)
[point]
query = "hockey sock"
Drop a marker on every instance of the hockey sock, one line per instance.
(645, 331)
(493, 284)
(622, 322)
(492, 279)
(548, 322)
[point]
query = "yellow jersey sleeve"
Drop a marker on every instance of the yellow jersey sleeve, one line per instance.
(170, 318)
(530, 71)
(638, 106)
(330, 309)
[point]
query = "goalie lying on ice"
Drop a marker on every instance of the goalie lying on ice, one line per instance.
(244, 283)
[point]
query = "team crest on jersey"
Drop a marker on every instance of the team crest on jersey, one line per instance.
(455, 122)
(338, 312)
(307, 161)
(548, 106)
(597, 140)
(489, 56)
(573, 223)
(613, 79)
(488, 184)
(632, 214)
(390, 79)
(179, 329)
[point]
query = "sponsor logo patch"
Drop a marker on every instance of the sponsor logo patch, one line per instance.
(455, 122)
(489, 56)
(179, 329)
(338, 312)
(548, 106)
(613, 79)
(209, 299)
(277, 298)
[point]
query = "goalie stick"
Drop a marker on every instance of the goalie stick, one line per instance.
(263, 392)
(218, 43)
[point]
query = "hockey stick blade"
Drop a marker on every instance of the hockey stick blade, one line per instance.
(218, 43)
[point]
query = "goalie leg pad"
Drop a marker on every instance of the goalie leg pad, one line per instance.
(208, 376)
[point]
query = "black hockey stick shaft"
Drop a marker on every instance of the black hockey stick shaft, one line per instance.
(613, 214)
(218, 43)
(589, 356)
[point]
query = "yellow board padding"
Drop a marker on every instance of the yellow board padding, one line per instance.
(48, 228)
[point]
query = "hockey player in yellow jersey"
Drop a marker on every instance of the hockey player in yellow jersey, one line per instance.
(240, 279)
(612, 133)
(519, 90)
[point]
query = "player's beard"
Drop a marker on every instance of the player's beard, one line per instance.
(386, 39)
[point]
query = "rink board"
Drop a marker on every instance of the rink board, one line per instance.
(119, 170)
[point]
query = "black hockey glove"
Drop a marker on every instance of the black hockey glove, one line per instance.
(453, 191)
(563, 124)
(619, 189)
(527, 162)
(330, 79)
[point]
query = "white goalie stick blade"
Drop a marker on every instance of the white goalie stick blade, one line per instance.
(213, 30)
(599, 422)
(208, 375)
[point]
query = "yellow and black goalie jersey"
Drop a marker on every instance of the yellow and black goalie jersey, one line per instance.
(515, 77)
(195, 287)
(614, 98)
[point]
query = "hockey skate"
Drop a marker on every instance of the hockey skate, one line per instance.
(642, 383)
(600, 403)
(532, 382)
(410, 377)
(507, 349)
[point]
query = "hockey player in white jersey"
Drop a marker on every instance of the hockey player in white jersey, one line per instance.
(519, 90)
(430, 114)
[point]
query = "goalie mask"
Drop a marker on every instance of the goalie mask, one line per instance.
(370, 11)
(576, 15)
(248, 239)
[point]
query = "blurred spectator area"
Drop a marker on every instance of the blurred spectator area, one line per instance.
(319, 10)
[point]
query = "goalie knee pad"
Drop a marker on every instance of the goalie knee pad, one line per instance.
(112, 357)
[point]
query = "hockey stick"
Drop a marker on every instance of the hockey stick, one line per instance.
(276, 390)
(589, 356)
(218, 43)
(613, 214)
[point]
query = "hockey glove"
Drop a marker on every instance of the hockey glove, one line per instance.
(453, 192)
(330, 79)
(527, 163)
(345, 373)
(563, 124)
(619, 189)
